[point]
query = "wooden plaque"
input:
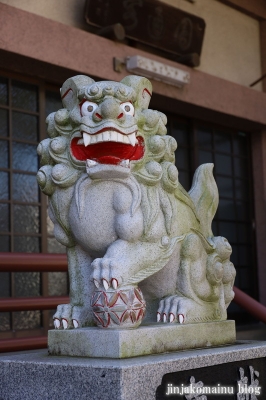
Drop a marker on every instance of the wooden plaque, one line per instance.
(151, 22)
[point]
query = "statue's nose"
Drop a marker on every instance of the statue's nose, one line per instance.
(110, 109)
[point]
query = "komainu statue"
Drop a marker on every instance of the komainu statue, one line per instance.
(139, 246)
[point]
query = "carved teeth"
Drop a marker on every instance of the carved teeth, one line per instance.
(87, 139)
(158, 317)
(113, 136)
(93, 139)
(132, 139)
(108, 136)
(125, 163)
(120, 138)
(126, 140)
(91, 163)
(99, 138)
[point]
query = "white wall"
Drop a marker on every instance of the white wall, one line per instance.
(231, 48)
(69, 12)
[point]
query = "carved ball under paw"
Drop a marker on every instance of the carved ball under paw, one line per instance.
(116, 309)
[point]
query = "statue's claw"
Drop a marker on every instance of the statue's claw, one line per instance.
(96, 283)
(171, 317)
(114, 283)
(181, 318)
(56, 323)
(166, 317)
(105, 284)
(65, 323)
(75, 323)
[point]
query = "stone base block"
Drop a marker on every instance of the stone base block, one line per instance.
(37, 376)
(152, 339)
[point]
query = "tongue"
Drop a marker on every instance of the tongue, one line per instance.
(108, 152)
(109, 160)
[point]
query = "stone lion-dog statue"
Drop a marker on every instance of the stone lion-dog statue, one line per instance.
(139, 246)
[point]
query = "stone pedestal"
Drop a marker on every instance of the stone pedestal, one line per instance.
(34, 376)
(151, 339)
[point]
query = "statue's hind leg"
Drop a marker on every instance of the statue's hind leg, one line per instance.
(196, 298)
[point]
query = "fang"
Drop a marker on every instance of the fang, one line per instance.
(87, 139)
(90, 163)
(125, 163)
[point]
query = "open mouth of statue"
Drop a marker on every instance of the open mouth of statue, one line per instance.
(108, 146)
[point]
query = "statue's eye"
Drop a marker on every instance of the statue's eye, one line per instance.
(128, 108)
(88, 107)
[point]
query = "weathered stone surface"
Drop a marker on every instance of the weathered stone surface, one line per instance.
(35, 376)
(152, 339)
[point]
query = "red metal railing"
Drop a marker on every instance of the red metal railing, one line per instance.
(29, 343)
(31, 303)
(24, 262)
(249, 304)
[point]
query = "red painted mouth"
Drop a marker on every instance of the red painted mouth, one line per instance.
(108, 152)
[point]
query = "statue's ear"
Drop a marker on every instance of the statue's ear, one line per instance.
(143, 89)
(70, 89)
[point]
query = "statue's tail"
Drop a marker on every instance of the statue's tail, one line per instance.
(205, 196)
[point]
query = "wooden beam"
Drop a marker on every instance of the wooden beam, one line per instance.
(249, 304)
(253, 8)
(31, 303)
(263, 50)
(30, 343)
(25, 262)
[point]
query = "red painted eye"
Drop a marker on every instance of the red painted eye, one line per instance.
(128, 108)
(88, 107)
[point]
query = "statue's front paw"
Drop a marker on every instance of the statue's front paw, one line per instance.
(68, 316)
(106, 273)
